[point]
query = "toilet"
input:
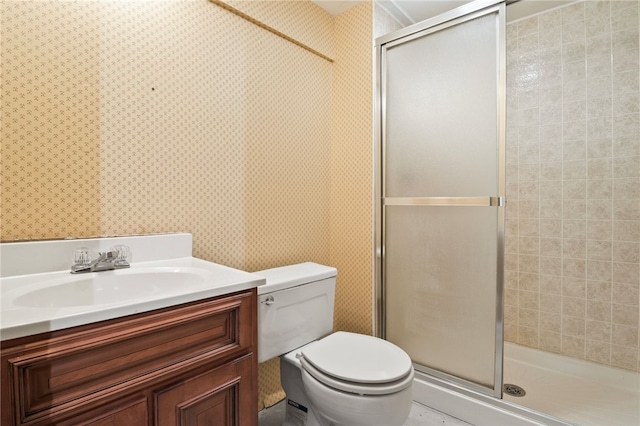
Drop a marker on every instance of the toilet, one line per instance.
(329, 378)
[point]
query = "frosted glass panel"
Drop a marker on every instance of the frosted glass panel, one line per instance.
(441, 113)
(441, 287)
(441, 122)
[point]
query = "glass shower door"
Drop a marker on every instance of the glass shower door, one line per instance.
(440, 188)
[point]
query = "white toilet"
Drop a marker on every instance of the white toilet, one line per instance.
(330, 379)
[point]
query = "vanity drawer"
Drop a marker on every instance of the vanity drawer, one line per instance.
(79, 365)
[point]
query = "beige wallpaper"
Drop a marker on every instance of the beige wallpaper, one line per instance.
(352, 171)
(50, 114)
(302, 20)
(177, 115)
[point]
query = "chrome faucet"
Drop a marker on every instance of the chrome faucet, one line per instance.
(115, 258)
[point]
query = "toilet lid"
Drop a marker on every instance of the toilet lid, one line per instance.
(358, 358)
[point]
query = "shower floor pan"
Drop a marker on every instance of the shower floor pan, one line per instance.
(577, 391)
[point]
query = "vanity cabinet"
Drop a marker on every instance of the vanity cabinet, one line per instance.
(186, 365)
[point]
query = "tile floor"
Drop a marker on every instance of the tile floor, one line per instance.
(420, 416)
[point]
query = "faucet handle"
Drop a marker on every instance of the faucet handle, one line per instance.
(82, 257)
(122, 255)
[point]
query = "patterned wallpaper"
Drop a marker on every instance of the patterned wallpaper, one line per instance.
(142, 117)
(351, 174)
(50, 96)
(302, 20)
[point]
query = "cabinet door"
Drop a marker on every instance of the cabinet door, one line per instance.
(129, 411)
(133, 414)
(69, 369)
(222, 396)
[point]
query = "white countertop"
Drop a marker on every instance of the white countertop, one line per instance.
(17, 319)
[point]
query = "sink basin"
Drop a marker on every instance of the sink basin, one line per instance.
(39, 295)
(99, 288)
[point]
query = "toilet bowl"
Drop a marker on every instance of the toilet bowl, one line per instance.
(353, 379)
(329, 378)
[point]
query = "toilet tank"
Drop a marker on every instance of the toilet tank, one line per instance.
(295, 307)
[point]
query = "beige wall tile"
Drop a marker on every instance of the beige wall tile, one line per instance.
(599, 250)
(551, 284)
(550, 341)
(600, 188)
(586, 177)
(573, 346)
(624, 335)
(528, 336)
(573, 287)
(626, 230)
(550, 303)
(573, 326)
(599, 331)
(573, 307)
(626, 273)
(574, 268)
(529, 301)
(600, 311)
(528, 318)
(550, 322)
(511, 298)
(624, 357)
(529, 282)
(599, 229)
(574, 248)
(626, 294)
(598, 270)
(528, 263)
(511, 279)
(599, 291)
(597, 351)
(625, 315)
(628, 252)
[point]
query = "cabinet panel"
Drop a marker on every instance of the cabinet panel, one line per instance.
(53, 376)
(215, 408)
(220, 396)
(133, 412)
(134, 415)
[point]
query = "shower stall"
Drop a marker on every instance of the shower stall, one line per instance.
(508, 210)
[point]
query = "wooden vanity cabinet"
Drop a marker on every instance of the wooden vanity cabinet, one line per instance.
(189, 365)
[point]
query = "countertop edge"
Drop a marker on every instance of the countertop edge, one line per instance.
(119, 311)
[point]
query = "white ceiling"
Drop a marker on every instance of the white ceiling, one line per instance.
(408, 12)
(411, 10)
(336, 7)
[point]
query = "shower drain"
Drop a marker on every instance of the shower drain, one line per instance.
(513, 390)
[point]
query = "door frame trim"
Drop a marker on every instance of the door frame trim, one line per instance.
(453, 14)
(454, 17)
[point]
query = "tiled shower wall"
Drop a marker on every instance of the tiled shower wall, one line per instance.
(573, 182)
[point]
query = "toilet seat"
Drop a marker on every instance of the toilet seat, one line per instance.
(358, 363)
(357, 388)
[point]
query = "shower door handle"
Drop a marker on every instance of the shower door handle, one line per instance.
(445, 201)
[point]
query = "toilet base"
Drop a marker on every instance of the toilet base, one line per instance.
(299, 415)
(298, 409)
